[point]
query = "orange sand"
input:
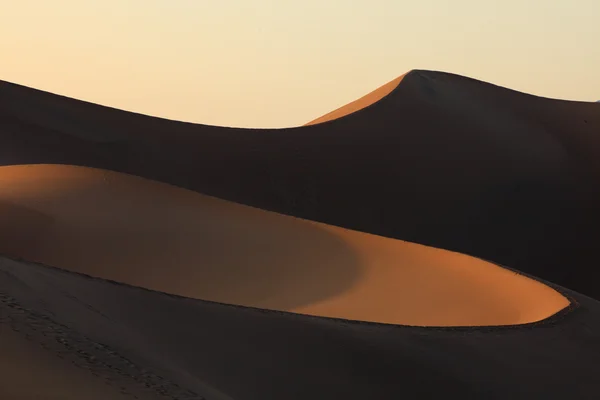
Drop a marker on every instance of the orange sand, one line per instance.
(357, 105)
(157, 236)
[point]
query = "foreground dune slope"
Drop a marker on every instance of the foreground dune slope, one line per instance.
(29, 371)
(146, 343)
(160, 237)
(441, 160)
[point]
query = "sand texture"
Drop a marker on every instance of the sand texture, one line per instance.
(31, 370)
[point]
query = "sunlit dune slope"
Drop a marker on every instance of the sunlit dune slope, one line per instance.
(441, 160)
(153, 235)
(361, 103)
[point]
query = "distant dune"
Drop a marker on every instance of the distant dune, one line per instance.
(442, 160)
(152, 235)
(361, 103)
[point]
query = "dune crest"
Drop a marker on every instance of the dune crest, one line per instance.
(360, 103)
(465, 165)
(154, 235)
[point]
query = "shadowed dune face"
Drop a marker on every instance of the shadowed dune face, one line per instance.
(359, 104)
(23, 229)
(153, 235)
(144, 341)
(441, 160)
(30, 372)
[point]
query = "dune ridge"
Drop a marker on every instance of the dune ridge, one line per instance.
(443, 160)
(361, 103)
(153, 235)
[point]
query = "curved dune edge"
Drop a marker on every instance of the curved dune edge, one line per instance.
(354, 106)
(358, 104)
(148, 234)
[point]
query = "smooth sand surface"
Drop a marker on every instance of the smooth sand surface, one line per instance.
(360, 103)
(442, 160)
(160, 237)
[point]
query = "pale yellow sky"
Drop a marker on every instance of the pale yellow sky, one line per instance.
(277, 63)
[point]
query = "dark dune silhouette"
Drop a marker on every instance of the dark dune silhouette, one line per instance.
(135, 342)
(442, 160)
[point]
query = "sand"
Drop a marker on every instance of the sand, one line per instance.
(153, 235)
(442, 160)
(148, 342)
(359, 104)
(433, 158)
(30, 372)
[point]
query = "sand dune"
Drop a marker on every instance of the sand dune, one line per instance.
(359, 104)
(147, 342)
(29, 371)
(431, 158)
(442, 160)
(156, 236)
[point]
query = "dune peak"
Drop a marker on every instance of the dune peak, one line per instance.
(361, 103)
